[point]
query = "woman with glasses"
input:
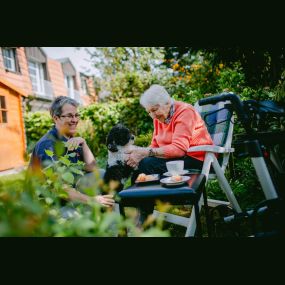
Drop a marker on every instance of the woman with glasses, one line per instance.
(64, 113)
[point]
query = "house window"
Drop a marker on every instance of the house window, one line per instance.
(37, 77)
(69, 83)
(84, 86)
(10, 59)
(3, 110)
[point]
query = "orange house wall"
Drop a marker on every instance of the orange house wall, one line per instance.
(12, 139)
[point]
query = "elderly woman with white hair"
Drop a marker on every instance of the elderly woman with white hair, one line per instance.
(177, 126)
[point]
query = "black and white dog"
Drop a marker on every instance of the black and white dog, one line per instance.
(119, 140)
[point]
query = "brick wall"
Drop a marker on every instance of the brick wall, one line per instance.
(91, 88)
(92, 97)
(56, 77)
(22, 79)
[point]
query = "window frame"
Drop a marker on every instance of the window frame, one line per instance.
(37, 79)
(84, 86)
(13, 58)
(70, 85)
(3, 110)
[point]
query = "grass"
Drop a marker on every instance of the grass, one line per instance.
(12, 180)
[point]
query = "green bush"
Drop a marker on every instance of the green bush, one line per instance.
(231, 79)
(143, 140)
(36, 124)
(104, 116)
(31, 207)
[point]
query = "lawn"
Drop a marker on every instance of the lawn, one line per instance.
(15, 180)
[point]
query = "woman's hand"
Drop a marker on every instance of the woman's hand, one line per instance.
(105, 200)
(74, 143)
(135, 156)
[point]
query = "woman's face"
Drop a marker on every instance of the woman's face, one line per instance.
(159, 112)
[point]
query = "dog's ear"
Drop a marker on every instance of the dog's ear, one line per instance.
(112, 147)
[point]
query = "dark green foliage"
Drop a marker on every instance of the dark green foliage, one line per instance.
(37, 124)
(262, 66)
(104, 116)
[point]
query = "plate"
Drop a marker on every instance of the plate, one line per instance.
(156, 178)
(182, 173)
(168, 181)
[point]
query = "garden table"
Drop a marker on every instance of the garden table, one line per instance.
(187, 194)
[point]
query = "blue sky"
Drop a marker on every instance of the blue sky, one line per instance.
(79, 58)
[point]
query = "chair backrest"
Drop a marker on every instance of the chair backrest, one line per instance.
(219, 122)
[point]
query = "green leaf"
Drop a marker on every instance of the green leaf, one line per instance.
(73, 154)
(61, 169)
(48, 200)
(49, 152)
(49, 172)
(59, 148)
(75, 170)
(65, 160)
(63, 195)
(68, 177)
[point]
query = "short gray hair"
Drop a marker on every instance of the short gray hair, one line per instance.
(155, 95)
(57, 104)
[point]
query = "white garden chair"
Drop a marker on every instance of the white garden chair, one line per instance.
(219, 121)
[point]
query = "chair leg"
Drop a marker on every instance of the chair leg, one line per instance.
(206, 207)
(225, 185)
(191, 227)
(198, 220)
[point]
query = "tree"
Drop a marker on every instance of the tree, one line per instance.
(261, 66)
(126, 71)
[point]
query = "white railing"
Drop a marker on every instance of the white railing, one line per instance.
(46, 92)
(48, 89)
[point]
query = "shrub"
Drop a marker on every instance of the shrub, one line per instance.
(36, 125)
(32, 208)
(231, 79)
(104, 116)
(143, 140)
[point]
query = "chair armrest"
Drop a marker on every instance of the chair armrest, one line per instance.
(211, 148)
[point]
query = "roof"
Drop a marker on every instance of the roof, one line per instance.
(66, 59)
(13, 87)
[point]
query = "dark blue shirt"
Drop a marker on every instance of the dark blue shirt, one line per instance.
(49, 142)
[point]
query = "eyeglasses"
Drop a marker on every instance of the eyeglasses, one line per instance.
(153, 111)
(70, 116)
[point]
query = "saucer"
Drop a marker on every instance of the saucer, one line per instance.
(168, 181)
(155, 179)
(182, 173)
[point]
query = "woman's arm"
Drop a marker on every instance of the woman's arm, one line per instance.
(88, 156)
(139, 153)
(105, 200)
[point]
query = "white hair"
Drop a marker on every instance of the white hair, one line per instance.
(155, 95)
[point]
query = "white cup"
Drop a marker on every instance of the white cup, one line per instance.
(175, 167)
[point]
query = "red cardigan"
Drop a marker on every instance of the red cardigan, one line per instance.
(185, 129)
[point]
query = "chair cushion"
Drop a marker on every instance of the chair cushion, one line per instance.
(218, 122)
